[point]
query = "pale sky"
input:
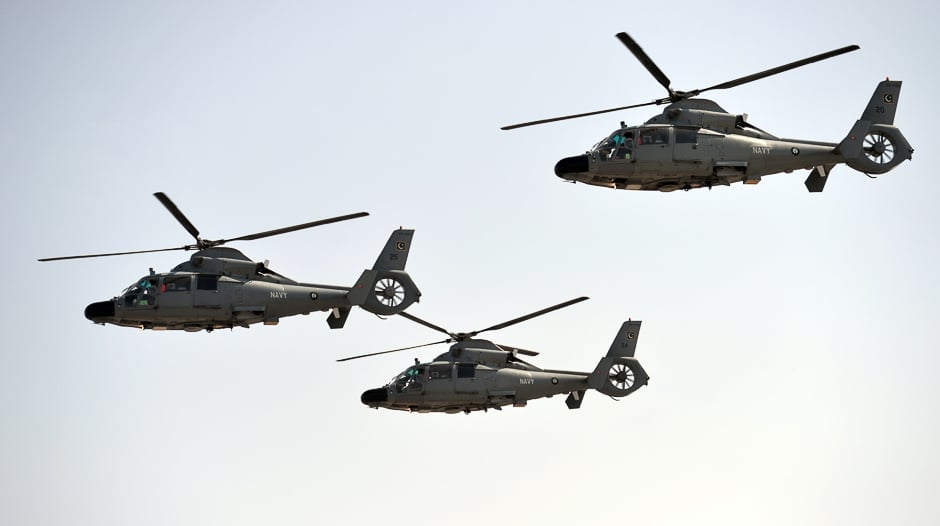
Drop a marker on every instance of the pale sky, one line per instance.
(788, 335)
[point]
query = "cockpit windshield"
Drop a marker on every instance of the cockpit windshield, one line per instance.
(142, 293)
(619, 145)
(411, 380)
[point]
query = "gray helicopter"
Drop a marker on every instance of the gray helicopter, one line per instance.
(219, 287)
(480, 375)
(695, 143)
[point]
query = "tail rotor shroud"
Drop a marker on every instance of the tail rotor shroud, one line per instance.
(389, 292)
(621, 376)
(879, 148)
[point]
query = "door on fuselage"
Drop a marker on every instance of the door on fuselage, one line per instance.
(616, 152)
(207, 291)
(440, 384)
(653, 150)
(176, 292)
(142, 294)
(466, 378)
(688, 156)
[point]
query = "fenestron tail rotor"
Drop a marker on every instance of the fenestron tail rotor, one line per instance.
(674, 95)
(878, 148)
(389, 292)
(621, 376)
(206, 243)
(461, 336)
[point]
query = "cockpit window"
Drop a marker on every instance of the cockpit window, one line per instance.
(618, 146)
(411, 380)
(142, 294)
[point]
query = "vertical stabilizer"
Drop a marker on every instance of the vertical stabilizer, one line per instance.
(883, 103)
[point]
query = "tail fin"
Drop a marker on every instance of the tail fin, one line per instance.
(875, 145)
(619, 373)
(395, 254)
(883, 103)
(386, 288)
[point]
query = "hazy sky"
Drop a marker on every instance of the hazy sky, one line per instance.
(788, 335)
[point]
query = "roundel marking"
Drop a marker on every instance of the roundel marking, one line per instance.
(631, 335)
(889, 98)
(313, 295)
(400, 245)
(554, 381)
(795, 150)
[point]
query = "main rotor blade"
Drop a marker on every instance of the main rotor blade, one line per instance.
(294, 228)
(114, 254)
(171, 206)
(576, 116)
(529, 316)
(780, 69)
(393, 350)
(425, 323)
(645, 60)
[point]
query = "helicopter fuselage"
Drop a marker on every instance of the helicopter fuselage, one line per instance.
(482, 387)
(668, 157)
(221, 288)
(193, 302)
(480, 375)
(695, 143)
(474, 375)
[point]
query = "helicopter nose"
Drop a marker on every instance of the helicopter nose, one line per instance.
(571, 165)
(375, 396)
(100, 311)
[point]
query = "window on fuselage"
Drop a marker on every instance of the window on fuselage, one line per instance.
(207, 282)
(650, 136)
(441, 371)
(686, 135)
(466, 370)
(177, 283)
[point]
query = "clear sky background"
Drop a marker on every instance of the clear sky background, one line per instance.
(790, 337)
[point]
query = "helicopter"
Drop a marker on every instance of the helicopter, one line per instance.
(477, 374)
(695, 143)
(219, 287)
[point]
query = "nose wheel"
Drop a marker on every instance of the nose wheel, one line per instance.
(389, 292)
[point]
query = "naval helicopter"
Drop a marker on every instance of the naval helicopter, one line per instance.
(477, 374)
(219, 287)
(695, 143)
